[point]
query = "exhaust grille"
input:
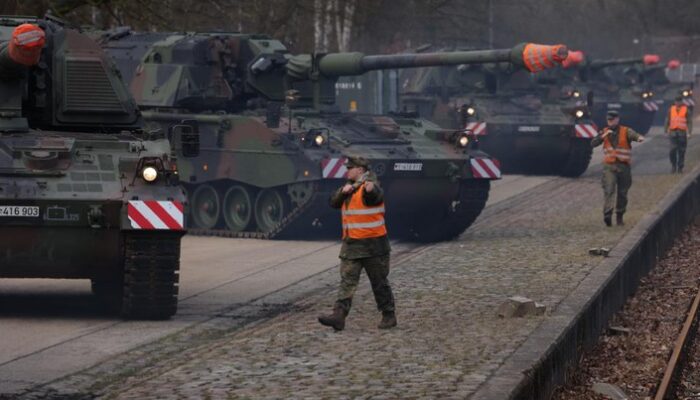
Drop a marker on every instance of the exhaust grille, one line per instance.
(88, 89)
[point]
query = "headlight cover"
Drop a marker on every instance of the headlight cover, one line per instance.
(149, 174)
(463, 141)
(319, 140)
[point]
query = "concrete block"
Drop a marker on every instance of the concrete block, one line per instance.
(519, 306)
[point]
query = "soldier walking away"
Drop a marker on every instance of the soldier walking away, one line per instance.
(365, 244)
(617, 157)
(678, 126)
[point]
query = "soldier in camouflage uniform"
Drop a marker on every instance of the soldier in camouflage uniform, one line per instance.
(678, 126)
(617, 174)
(365, 244)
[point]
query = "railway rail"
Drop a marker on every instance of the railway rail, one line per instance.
(678, 357)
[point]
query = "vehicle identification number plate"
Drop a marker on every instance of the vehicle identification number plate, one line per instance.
(528, 129)
(408, 166)
(19, 211)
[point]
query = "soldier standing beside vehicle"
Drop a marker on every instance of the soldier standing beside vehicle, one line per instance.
(678, 126)
(365, 244)
(617, 157)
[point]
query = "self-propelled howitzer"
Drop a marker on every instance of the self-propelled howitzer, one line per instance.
(533, 123)
(273, 142)
(85, 193)
(619, 85)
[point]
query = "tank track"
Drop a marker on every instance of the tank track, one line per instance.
(472, 199)
(284, 223)
(150, 284)
(578, 160)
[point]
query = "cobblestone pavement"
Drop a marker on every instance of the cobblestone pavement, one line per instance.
(449, 338)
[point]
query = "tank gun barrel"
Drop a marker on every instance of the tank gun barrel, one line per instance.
(648, 59)
(534, 57)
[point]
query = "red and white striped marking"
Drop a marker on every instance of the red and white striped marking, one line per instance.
(650, 106)
(478, 128)
(689, 102)
(485, 168)
(153, 214)
(586, 131)
(334, 168)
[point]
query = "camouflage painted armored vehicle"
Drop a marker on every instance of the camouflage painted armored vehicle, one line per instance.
(273, 141)
(85, 193)
(532, 123)
(619, 85)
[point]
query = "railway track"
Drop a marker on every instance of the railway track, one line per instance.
(677, 368)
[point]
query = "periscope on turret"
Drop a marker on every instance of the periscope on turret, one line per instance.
(85, 192)
(273, 140)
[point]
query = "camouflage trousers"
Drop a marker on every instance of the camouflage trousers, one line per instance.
(617, 179)
(679, 141)
(377, 269)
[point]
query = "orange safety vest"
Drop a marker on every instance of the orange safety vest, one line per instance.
(678, 119)
(622, 153)
(360, 221)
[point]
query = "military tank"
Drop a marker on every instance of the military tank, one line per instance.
(273, 141)
(85, 192)
(619, 85)
(665, 91)
(532, 123)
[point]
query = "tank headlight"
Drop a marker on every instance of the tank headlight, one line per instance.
(463, 141)
(471, 111)
(149, 174)
(645, 95)
(579, 113)
(319, 140)
(686, 93)
(576, 94)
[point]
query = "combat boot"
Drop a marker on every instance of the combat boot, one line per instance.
(607, 218)
(335, 320)
(619, 219)
(388, 320)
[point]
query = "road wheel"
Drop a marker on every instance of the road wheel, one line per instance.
(205, 207)
(238, 208)
(269, 209)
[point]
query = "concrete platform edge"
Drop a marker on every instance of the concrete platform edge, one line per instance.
(579, 319)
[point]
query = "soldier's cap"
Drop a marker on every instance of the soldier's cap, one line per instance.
(679, 98)
(356, 162)
(612, 114)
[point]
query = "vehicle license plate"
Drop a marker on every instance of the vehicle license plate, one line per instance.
(19, 211)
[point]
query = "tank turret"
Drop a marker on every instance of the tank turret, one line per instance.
(70, 84)
(233, 72)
